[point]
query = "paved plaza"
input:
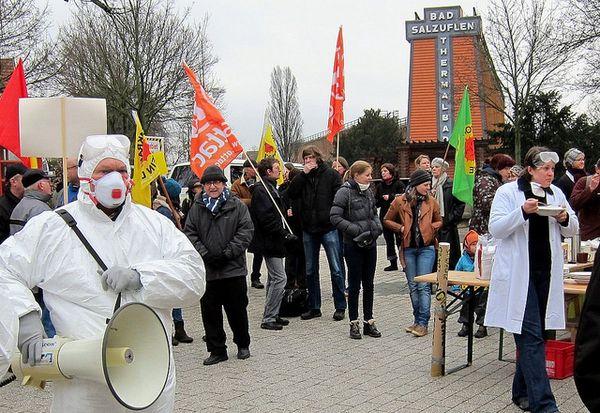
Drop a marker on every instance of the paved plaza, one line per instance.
(312, 366)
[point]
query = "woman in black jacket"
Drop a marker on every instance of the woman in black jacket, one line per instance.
(354, 213)
(385, 192)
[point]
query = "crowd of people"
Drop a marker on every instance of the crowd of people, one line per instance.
(338, 207)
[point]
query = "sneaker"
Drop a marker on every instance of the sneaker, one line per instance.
(257, 284)
(214, 359)
(370, 330)
(339, 315)
(243, 353)
(310, 314)
(481, 332)
(271, 325)
(410, 328)
(355, 330)
(419, 331)
(284, 322)
(464, 330)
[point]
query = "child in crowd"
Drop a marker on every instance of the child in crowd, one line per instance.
(467, 263)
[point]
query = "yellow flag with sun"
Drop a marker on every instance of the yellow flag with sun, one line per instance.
(268, 149)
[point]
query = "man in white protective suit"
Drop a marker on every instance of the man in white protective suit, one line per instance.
(148, 261)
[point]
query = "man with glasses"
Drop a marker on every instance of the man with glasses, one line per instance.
(13, 192)
(220, 228)
(149, 261)
(73, 184)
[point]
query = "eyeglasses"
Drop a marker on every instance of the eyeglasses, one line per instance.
(543, 157)
(213, 183)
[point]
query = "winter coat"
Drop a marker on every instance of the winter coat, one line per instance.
(465, 263)
(315, 191)
(228, 232)
(487, 182)
(8, 202)
(567, 182)
(48, 254)
(395, 187)
(34, 202)
(587, 205)
(587, 364)
(453, 211)
(240, 189)
(269, 231)
(400, 215)
(510, 270)
(354, 213)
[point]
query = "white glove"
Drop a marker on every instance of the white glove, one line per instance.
(31, 334)
(120, 279)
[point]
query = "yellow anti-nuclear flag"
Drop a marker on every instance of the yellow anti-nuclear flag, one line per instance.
(268, 149)
(147, 166)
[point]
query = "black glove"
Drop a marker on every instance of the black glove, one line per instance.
(214, 259)
(290, 238)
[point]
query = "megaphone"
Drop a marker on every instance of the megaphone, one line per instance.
(132, 358)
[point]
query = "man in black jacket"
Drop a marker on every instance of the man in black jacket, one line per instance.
(315, 188)
(220, 228)
(269, 239)
(13, 192)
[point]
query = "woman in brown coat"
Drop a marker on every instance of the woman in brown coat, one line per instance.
(418, 242)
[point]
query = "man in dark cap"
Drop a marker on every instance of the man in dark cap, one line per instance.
(241, 189)
(220, 228)
(13, 192)
(38, 191)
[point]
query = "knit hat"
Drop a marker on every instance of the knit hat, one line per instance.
(248, 163)
(471, 237)
(33, 176)
(570, 156)
(418, 177)
(213, 173)
(173, 188)
(15, 169)
(440, 162)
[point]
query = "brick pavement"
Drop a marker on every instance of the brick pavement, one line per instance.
(313, 366)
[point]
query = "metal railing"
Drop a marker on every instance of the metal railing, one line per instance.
(394, 113)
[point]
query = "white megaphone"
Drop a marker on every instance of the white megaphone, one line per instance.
(132, 358)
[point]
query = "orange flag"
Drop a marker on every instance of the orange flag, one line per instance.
(338, 94)
(212, 141)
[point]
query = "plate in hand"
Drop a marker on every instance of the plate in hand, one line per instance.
(549, 211)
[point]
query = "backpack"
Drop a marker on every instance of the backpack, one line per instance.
(294, 302)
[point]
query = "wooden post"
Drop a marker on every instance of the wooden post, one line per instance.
(438, 352)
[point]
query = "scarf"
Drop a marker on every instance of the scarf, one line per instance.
(438, 190)
(416, 231)
(214, 204)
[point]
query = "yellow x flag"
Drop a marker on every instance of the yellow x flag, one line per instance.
(147, 166)
(268, 149)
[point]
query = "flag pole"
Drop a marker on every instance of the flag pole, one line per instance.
(337, 144)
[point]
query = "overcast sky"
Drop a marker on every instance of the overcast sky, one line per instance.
(251, 37)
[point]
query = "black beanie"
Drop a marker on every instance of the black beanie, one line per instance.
(32, 176)
(418, 177)
(213, 173)
(15, 169)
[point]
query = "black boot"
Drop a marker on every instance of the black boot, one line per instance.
(180, 334)
(464, 330)
(174, 341)
(370, 330)
(393, 265)
(481, 332)
(355, 330)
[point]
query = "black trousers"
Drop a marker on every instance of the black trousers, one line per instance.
(257, 260)
(230, 294)
(295, 265)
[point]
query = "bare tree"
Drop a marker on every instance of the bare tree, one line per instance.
(132, 57)
(526, 42)
(284, 111)
(585, 37)
(24, 34)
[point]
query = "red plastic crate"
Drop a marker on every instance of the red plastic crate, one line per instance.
(559, 359)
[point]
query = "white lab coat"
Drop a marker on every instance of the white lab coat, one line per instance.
(510, 271)
(48, 254)
(9, 327)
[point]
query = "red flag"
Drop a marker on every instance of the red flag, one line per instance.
(9, 111)
(338, 94)
(212, 142)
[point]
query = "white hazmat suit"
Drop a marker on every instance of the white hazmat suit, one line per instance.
(48, 254)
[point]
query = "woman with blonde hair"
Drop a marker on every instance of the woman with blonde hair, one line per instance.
(355, 215)
(415, 216)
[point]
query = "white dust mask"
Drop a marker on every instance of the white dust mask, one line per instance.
(110, 190)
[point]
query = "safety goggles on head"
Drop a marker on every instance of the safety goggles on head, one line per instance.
(541, 158)
(97, 145)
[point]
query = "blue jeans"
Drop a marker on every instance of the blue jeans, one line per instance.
(419, 261)
(177, 314)
(361, 270)
(531, 380)
(312, 246)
